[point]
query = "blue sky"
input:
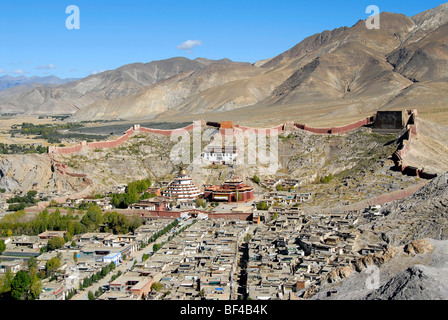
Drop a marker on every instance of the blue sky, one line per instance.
(35, 41)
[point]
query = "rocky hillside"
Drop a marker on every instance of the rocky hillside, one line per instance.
(414, 267)
(416, 271)
(20, 173)
(422, 215)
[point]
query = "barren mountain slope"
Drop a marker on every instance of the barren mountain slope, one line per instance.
(343, 66)
(429, 148)
(168, 94)
(425, 59)
(124, 81)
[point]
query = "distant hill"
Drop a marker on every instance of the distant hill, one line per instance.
(7, 82)
(69, 97)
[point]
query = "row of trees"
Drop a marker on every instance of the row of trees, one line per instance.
(88, 281)
(92, 296)
(113, 222)
(13, 148)
(51, 132)
(20, 203)
(17, 223)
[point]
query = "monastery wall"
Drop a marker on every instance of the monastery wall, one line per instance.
(405, 145)
(115, 143)
(335, 130)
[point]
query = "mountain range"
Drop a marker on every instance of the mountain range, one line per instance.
(337, 75)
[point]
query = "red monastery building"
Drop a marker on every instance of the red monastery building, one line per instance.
(233, 190)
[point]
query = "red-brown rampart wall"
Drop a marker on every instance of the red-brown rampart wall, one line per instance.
(405, 147)
(275, 130)
(116, 142)
(335, 130)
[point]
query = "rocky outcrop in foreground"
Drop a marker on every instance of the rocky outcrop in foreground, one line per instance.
(415, 283)
(415, 271)
(422, 215)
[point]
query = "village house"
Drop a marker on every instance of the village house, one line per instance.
(152, 204)
(271, 183)
(14, 266)
(52, 291)
(135, 284)
(51, 234)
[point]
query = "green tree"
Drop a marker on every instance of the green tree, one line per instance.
(20, 285)
(156, 247)
(256, 179)
(52, 266)
(326, 179)
(35, 285)
(93, 217)
(262, 206)
(91, 296)
(157, 286)
(7, 281)
(32, 263)
(55, 243)
(2, 246)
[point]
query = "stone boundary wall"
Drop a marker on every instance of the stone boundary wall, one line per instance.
(275, 130)
(393, 196)
(405, 145)
(231, 216)
(382, 199)
(167, 132)
(398, 156)
(137, 128)
(115, 143)
(335, 130)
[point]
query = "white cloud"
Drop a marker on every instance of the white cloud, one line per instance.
(4, 71)
(45, 67)
(189, 44)
(19, 71)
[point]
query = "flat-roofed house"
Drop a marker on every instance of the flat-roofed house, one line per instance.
(51, 234)
(134, 283)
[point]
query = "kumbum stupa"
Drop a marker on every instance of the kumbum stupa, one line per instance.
(182, 187)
